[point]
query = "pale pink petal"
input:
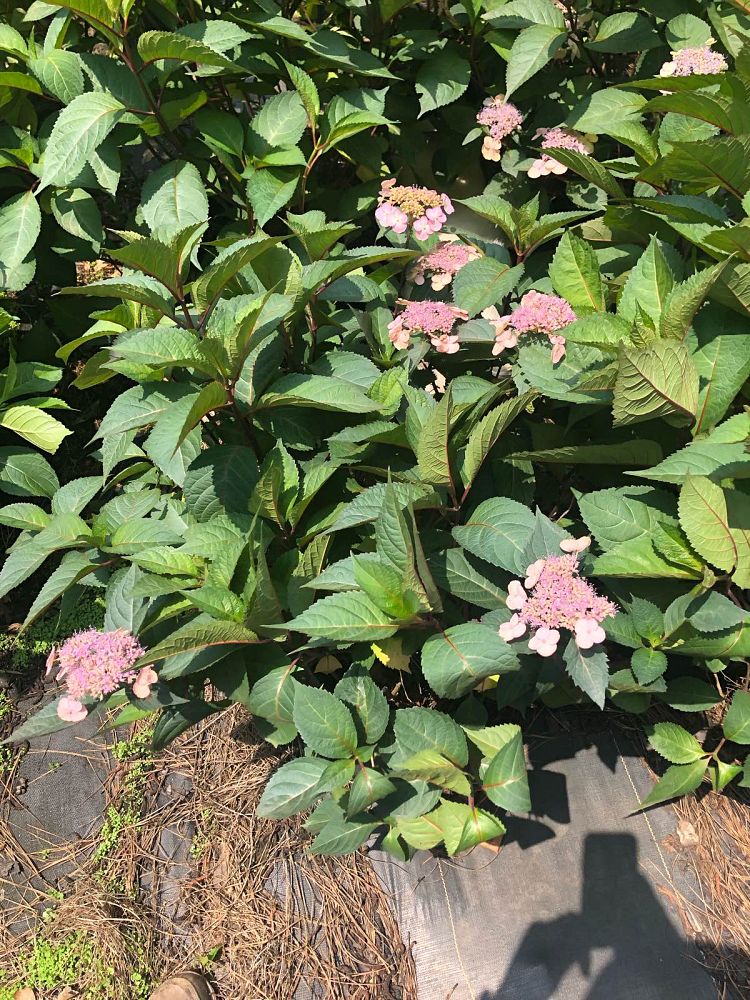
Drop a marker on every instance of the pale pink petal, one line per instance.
(71, 710)
(575, 544)
(142, 686)
(517, 596)
(512, 629)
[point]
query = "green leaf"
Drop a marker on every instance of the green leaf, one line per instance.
(648, 284)
(689, 694)
(20, 224)
(340, 837)
(362, 694)
(487, 432)
(60, 73)
(505, 781)
(432, 767)
(64, 531)
(498, 531)
(418, 729)
(589, 668)
(173, 198)
(656, 381)
(737, 720)
(317, 392)
(220, 481)
(368, 787)
(78, 214)
(464, 826)
(591, 170)
(484, 282)
(156, 45)
(677, 780)
(574, 273)
(533, 48)
(36, 426)
(305, 87)
(628, 31)
(79, 130)
(433, 456)
(627, 453)
(347, 617)
(324, 723)
(272, 697)
(458, 575)
(25, 516)
(721, 455)
(722, 160)
(675, 744)
(457, 660)
(281, 121)
(201, 633)
(712, 612)
(721, 539)
(293, 788)
(683, 301)
(441, 79)
(647, 665)
(73, 567)
(723, 366)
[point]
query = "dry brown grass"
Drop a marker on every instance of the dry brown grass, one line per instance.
(717, 914)
(278, 917)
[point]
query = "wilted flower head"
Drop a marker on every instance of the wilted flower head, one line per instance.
(443, 262)
(686, 62)
(536, 313)
(499, 118)
(434, 319)
(93, 664)
(559, 138)
(552, 597)
(401, 206)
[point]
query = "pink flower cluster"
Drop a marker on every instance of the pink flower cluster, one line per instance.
(686, 62)
(559, 138)
(401, 206)
(434, 319)
(94, 664)
(553, 596)
(443, 262)
(499, 117)
(537, 313)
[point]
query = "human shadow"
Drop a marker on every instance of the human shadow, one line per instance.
(621, 939)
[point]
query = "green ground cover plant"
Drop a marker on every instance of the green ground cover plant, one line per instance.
(414, 392)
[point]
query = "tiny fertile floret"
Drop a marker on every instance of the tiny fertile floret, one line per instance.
(701, 59)
(499, 118)
(559, 138)
(536, 313)
(443, 262)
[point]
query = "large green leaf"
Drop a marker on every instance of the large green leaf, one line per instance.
(347, 617)
(574, 273)
(457, 660)
(505, 780)
(79, 130)
(737, 720)
(20, 224)
(498, 531)
(441, 79)
(362, 694)
(660, 380)
(484, 282)
(293, 788)
(589, 668)
(418, 729)
(35, 425)
(675, 744)
(717, 523)
(324, 723)
(531, 51)
(677, 780)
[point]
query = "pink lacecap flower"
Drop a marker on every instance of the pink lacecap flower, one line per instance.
(552, 597)
(434, 319)
(686, 62)
(401, 206)
(499, 118)
(536, 313)
(93, 664)
(559, 138)
(443, 262)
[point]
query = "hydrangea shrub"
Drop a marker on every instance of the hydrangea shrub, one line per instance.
(411, 346)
